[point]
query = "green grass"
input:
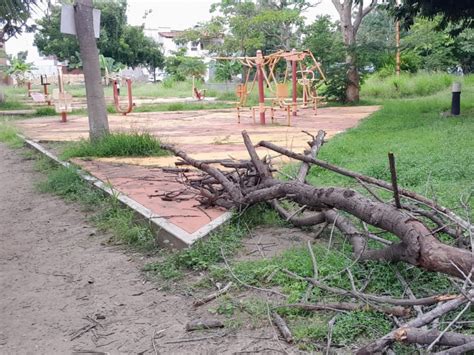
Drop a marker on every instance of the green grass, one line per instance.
(207, 252)
(12, 105)
(8, 135)
(182, 106)
(433, 152)
(406, 85)
(116, 145)
(107, 213)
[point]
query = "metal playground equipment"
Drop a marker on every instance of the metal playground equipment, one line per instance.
(305, 71)
(62, 99)
(198, 94)
(116, 90)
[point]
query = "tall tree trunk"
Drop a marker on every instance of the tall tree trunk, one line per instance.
(351, 14)
(96, 108)
(349, 36)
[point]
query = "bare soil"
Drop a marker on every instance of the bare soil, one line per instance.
(64, 290)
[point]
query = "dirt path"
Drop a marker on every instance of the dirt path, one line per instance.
(57, 276)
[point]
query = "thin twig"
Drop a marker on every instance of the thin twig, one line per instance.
(468, 305)
(246, 284)
(313, 260)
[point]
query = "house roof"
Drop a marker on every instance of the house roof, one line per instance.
(170, 34)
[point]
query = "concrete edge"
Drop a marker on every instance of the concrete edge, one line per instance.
(168, 235)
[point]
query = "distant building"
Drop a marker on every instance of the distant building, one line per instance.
(166, 37)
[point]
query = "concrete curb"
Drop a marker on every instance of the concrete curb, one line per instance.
(168, 235)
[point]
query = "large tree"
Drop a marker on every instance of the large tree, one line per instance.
(118, 40)
(451, 11)
(351, 13)
(14, 16)
(247, 26)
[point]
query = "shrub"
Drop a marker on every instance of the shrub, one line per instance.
(116, 145)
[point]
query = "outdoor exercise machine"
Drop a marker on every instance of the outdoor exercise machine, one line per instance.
(62, 99)
(123, 109)
(305, 77)
(198, 94)
(45, 83)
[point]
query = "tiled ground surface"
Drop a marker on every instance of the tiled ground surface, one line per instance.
(202, 134)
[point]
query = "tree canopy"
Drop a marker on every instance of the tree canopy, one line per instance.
(124, 43)
(245, 26)
(14, 15)
(450, 11)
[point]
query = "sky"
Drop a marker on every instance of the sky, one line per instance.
(176, 14)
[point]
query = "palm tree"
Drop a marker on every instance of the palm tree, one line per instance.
(19, 68)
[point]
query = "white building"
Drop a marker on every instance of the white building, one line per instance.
(166, 36)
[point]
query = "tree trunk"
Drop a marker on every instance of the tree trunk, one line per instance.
(96, 108)
(349, 36)
(353, 79)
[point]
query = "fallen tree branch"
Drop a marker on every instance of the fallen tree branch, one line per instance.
(426, 318)
(282, 327)
(202, 324)
(461, 349)
(347, 306)
(426, 301)
(413, 195)
(212, 296)
(425, 337)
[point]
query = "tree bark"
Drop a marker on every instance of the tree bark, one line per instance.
(96, 107)
(350, 21)
(426, 318)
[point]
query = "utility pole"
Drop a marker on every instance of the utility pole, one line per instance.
(96, 108)
(397, 41)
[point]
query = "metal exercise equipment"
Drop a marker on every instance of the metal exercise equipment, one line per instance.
(129, 107)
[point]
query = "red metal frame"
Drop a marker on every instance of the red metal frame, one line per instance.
(117, 98)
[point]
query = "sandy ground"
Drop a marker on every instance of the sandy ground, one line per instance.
(58, 278)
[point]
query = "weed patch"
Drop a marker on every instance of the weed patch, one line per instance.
(8, 135)
(116, 145)
(107, 212)
(207, 252)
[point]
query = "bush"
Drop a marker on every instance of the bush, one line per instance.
(406, 85)
(116, 145)
(336, 83)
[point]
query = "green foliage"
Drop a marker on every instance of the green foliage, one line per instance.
(266, 25)
(433, 152)
(19, 68)
(336, 83)
(108, 214)
(8, 135)
(116, 145)
(14, 15)
(46, 111)
(461, 14)
(324, 39)
(386, 86)
(433, 47)
(9, 105)
(205, 253)
(181, 67)
(124, 43)
(182, 106)
(349, 327)
(226, 69)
